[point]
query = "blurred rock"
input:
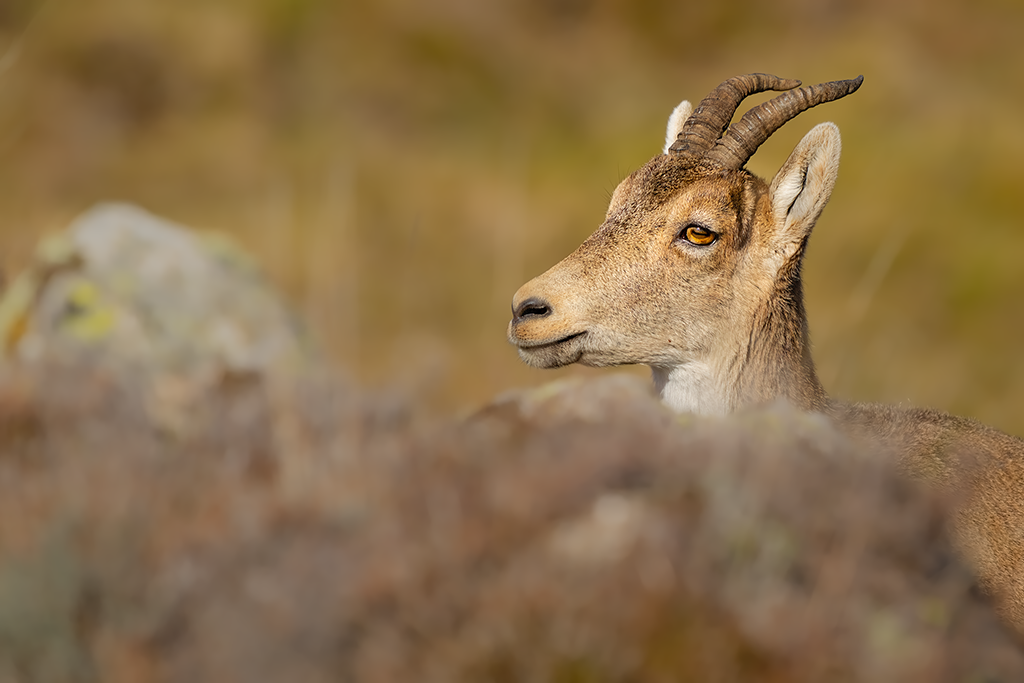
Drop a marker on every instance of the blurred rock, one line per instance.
(131, 292)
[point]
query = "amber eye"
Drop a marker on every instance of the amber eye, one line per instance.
(699, 235)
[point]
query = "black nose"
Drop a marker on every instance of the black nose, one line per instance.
(531, 308)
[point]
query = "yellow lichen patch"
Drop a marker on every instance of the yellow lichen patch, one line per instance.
(15, 311)
(92, 318)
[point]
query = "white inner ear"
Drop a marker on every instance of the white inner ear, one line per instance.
(804, 184)
(675, 123)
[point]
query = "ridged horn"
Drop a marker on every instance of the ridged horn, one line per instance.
(743, 138)
(711, 117)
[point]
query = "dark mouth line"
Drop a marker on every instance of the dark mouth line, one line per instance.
(563, 340)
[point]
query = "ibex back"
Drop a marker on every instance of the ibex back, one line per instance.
(695, 272)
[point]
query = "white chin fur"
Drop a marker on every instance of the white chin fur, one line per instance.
(690, 388)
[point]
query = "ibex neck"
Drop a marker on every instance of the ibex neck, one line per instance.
(744, 380)
(695, 388)
(768, 359)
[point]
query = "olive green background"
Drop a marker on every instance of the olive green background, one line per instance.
(401, 167)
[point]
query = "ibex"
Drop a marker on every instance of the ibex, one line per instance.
(695, 272)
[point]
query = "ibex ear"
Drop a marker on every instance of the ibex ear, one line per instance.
(803, 185)
(675, 123)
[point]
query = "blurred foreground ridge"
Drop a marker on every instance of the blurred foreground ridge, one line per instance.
(254, 517)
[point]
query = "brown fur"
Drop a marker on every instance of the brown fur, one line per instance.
(723, 326)
(981, 467)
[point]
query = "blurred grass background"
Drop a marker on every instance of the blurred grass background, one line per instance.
(401, 168)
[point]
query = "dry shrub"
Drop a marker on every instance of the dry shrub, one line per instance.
(301, 531)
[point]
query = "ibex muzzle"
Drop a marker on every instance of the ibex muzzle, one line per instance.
(696, 268)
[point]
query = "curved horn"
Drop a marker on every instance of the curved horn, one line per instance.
(746, 135)
(707, 123)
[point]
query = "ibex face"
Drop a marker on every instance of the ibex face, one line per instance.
(695, 270)
(669, 248)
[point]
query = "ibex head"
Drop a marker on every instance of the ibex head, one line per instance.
(696, 268)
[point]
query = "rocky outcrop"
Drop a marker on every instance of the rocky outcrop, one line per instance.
(133, 293)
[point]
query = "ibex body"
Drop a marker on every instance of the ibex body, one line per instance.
(695, 272)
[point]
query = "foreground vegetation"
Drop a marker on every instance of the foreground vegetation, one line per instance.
(578, 532)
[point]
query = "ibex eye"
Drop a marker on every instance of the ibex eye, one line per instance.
(699, 235)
